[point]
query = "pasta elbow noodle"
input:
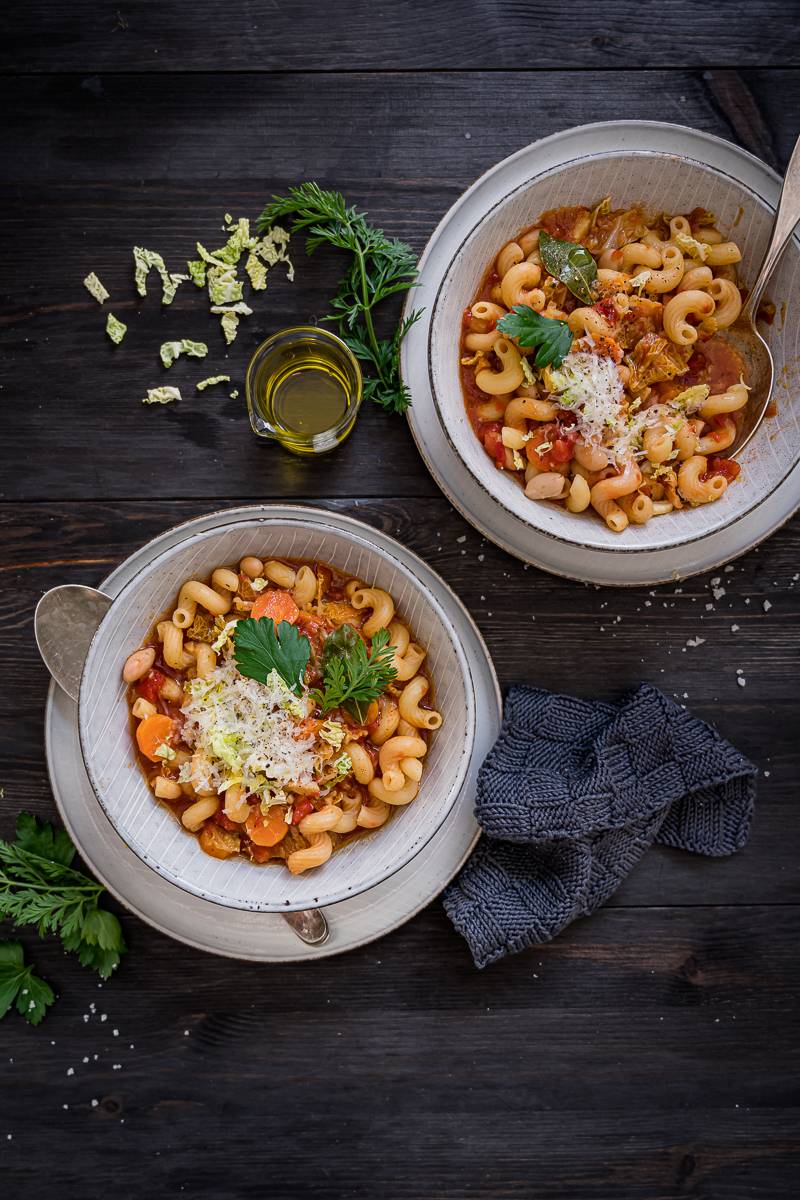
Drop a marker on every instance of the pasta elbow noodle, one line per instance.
(518, 286)
(725, 402)
(206, 597)
(279, 573)
(400, 796)
(382, 607)
(509, 378)
(305, 586)
(681, 306)
(313, 855)
(694, 487)
(670, 274)
(410, 710)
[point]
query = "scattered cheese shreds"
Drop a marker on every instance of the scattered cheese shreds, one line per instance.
(172, 350)
(115, 329)
(212, 379)
(95, 288)
(161, 395)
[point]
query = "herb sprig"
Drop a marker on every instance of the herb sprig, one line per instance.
(553, 337)
(381, 267)
(39, 886)
(351, 677)
(260, 648)
(18, 985)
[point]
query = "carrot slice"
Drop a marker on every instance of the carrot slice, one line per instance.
(269, 830)
(278, 605)
(151, 733)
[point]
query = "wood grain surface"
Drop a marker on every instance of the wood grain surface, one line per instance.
(650, 1052)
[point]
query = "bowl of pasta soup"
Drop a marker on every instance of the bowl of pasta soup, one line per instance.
(260, 713)
(613, 439)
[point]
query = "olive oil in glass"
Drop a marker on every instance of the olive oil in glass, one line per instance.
(303, 389)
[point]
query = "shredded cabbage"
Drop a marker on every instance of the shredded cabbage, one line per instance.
(115, 329)
(161, 395)
(212, 379)
(172, 350)
(95, 288)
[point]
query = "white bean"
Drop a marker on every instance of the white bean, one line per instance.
(138, 664)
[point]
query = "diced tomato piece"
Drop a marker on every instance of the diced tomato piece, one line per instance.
(560, 441)
(150, 685)
(300, 809)
(728, 468)
(222, 819)
(493, 441)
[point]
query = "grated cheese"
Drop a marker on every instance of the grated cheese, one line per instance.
(589, 386)
(244, 732)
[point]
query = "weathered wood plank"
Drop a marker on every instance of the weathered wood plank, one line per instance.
(635, 1057)
(557, 628)
(522, 34)
(91, 147)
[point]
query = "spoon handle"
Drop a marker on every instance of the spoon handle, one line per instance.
(786, 218)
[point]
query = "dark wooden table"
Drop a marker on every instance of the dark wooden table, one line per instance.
(651, 1051)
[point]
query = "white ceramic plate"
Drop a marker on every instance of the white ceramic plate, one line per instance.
(151, 829)
(238, 933)
(632, 161)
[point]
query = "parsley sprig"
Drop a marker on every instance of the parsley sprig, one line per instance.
(18, 985)
(381, 267)
(39, 886)
(260, 648)
(553, 337)
(352, 677)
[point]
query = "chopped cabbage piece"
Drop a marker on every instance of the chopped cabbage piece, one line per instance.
(691, 398)
(197, 272)
(223, 286)
(144, 261)
(333, 733)
(212, 379)
(115, 329)
(172, 350)
(257, 273)
(691, 247)
(530, 378)
(95, 288)
(161, 395)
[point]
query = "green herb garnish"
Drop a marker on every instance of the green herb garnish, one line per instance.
(381, 267)
(570, 263)
(19, 985)
(554, 338)
(260, 648)
(38, 886)
(351, 677)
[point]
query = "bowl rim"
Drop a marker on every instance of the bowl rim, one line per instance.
(357, 532)
(557, 169)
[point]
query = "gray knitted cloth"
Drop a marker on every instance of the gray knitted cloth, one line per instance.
(572, 794)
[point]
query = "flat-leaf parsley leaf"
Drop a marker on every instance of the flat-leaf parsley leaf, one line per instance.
(39, 886)
(553, 337)
(19, 985)
(351, 677)
(260, 648)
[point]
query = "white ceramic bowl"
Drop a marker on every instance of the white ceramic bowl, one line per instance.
(152, 831)
(661, 182)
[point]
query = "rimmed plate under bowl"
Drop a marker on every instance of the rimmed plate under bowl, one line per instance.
(152, 831)
(235, 932)
(661, 166)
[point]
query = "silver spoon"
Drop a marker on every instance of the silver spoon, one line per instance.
(743, 333)
(65, 622)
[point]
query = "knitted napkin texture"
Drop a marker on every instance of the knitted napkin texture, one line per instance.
(572, 794)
